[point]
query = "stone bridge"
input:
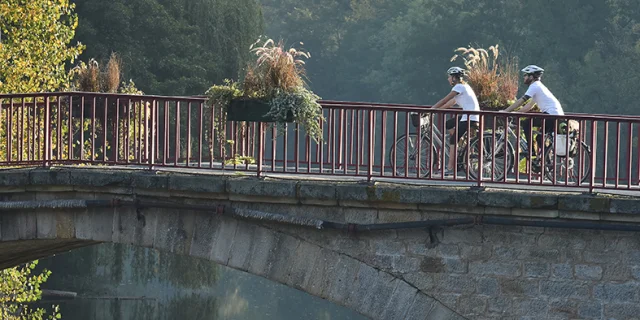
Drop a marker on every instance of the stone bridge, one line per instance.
(386, 251)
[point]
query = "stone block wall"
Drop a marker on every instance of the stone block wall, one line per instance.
(493, 272)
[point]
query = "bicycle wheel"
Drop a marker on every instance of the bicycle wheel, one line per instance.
(404, 154)
(570, 170)
(494, 159)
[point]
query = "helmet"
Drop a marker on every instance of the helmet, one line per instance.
(533, 69)
(456, 71)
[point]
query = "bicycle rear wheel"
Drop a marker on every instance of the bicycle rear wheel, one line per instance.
(495, 162)
(404, 153)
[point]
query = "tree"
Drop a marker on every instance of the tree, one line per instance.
(171, 47)
(18, 288)
(35, 37)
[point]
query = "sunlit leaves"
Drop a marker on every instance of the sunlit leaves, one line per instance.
(18, 288)
(35, 44)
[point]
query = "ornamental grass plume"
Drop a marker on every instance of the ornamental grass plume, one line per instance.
(276, 68)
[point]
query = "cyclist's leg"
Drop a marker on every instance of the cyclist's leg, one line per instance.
(549, 127)
(453, 142)
(526, 125)
(450, 125)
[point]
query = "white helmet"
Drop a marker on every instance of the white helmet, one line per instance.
(456, 71)
(532, 69)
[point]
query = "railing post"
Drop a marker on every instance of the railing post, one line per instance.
(371, 146)
(47, 134)
(260, 148)
(152, 134)
(480, 151)
(592, 179)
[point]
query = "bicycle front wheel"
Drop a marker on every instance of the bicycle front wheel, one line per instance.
(568, 170)
(404, 154)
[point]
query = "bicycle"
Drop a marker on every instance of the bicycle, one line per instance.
(562, 161)
(404, 152)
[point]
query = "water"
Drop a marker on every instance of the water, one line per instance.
(116, 281)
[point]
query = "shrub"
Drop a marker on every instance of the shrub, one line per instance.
(90, 78)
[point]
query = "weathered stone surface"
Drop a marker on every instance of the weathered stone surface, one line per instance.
(508, 269)
(421, 307)
(588, 272)
(564, 289)
(100, 178)
(590, 310)
(536, 269)
(617, 292)
(629, 206)
(254, 187)
(400, 301)
(562, 271)
(150, 180)
(284, 253)
(317, 191)
(46, 225)
(583, 203)
(225, 232)
(203, 235)
(204, 183)
(49, 177)
(17, 177)
(262, 251)
(517, 200)
(622, 310)
(241, 247)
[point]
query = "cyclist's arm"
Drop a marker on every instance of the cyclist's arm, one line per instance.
(442, 103)
(528, 107)
(518, 103)
(449, 104)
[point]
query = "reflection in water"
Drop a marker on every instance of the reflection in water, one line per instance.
(121, 282)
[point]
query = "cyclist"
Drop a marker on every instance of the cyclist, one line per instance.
(462, 94)
(541, 96)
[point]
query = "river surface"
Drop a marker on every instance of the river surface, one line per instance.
(115, 281)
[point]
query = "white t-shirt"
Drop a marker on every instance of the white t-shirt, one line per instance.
(467, 100)
(545, 100)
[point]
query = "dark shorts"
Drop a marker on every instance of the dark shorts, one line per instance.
(462, 128)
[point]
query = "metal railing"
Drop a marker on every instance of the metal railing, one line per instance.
(368, 140)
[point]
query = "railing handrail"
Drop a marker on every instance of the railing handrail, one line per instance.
(100, 94)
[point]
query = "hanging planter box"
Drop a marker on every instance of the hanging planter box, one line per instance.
(251, 110)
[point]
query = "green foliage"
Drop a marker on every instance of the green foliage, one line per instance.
(171, 47)
(219, 96)
(18, 288)
(304, 106)
(34, 44)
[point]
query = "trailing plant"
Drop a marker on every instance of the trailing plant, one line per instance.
(219, 97)
(493, 79)
(304, 106)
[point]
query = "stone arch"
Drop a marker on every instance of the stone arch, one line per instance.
(251, 247)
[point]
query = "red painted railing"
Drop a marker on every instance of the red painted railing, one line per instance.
(367, 140)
